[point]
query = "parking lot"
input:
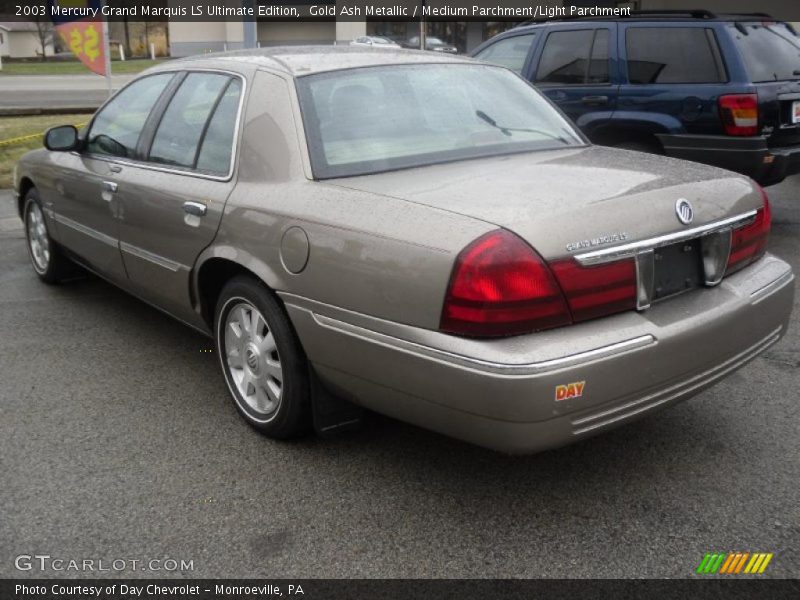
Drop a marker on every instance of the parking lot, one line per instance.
(118, 440)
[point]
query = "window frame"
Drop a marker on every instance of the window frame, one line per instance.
(717, 53)
(526, 64)
(154, 118)
(594, 29)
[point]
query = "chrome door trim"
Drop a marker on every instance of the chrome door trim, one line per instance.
(93, 233)
(631, 249)
(153, 258)
(188, 172)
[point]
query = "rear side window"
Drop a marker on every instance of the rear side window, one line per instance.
(510, 52)
(217, 144)
(183, 124)
(575, 58)
(771, 51)
(673, 55)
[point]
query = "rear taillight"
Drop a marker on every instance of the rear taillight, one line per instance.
(599, 290)
(739, 113)
(501, 286)
(749, 243)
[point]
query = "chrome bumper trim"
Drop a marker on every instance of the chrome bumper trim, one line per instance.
(459, 360)
(609, 416)
(772, 287)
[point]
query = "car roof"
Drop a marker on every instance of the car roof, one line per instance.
(305, 60)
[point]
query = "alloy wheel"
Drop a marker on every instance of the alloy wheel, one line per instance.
(252, 358)
(38, 240)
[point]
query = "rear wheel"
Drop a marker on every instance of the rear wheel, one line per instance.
(263, 363)
(46, 258)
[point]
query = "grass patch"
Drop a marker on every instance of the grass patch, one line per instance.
(69, 67)
(12, 127)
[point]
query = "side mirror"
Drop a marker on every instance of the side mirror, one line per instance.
(61, 139)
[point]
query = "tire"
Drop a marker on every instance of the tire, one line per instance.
(265, 368)
(47, 260)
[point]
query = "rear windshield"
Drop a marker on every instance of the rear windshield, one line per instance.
(771, 51)
(367, 120)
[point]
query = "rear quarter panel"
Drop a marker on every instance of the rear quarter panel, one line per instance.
(368, 253)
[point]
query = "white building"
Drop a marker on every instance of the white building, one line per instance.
(21, 40)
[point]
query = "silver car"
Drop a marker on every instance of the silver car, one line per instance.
(421, 235)
(375, 41)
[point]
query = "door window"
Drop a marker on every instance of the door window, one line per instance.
(183, 124)
(509, 52)
(575, 58)
(116, 128)
(673, 55)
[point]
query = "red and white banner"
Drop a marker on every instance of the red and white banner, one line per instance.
(85, 39)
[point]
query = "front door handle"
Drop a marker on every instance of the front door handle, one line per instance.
(110, 186)
(198, 209)
(595, 99)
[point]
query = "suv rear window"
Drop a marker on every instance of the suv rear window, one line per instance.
(673, 55)
(771, 51)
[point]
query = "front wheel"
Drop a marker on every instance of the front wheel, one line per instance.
(46, 258)
(263, 363)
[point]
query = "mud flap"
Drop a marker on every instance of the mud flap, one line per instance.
(332, 415)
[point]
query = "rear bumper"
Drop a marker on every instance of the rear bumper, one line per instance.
(750, 156)
(502, 393)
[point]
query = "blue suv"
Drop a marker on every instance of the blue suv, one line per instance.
(718, 89)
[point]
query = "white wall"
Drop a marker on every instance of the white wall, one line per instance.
(4, 43)
(24, 44)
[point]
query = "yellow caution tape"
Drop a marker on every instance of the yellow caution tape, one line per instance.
(25, 138)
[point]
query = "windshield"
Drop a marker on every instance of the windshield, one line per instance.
(367, 120)
(380, 40)
(771, 50)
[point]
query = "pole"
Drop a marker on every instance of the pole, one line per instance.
(423, 30)
(250, 27)
(107, 50)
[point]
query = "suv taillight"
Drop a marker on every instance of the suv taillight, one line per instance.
(739, 113)
(501, 286)
(749, 243)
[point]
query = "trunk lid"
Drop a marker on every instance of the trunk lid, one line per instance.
(567, 201)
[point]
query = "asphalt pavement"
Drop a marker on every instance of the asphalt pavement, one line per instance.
(56, 91)
(118, 441)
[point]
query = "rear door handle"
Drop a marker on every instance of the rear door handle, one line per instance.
(115, 168)
(198, 209)
(110, 186)
(595, 99)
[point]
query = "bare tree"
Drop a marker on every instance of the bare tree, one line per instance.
(44, 30)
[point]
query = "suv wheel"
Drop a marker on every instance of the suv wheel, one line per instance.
(264, 365)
